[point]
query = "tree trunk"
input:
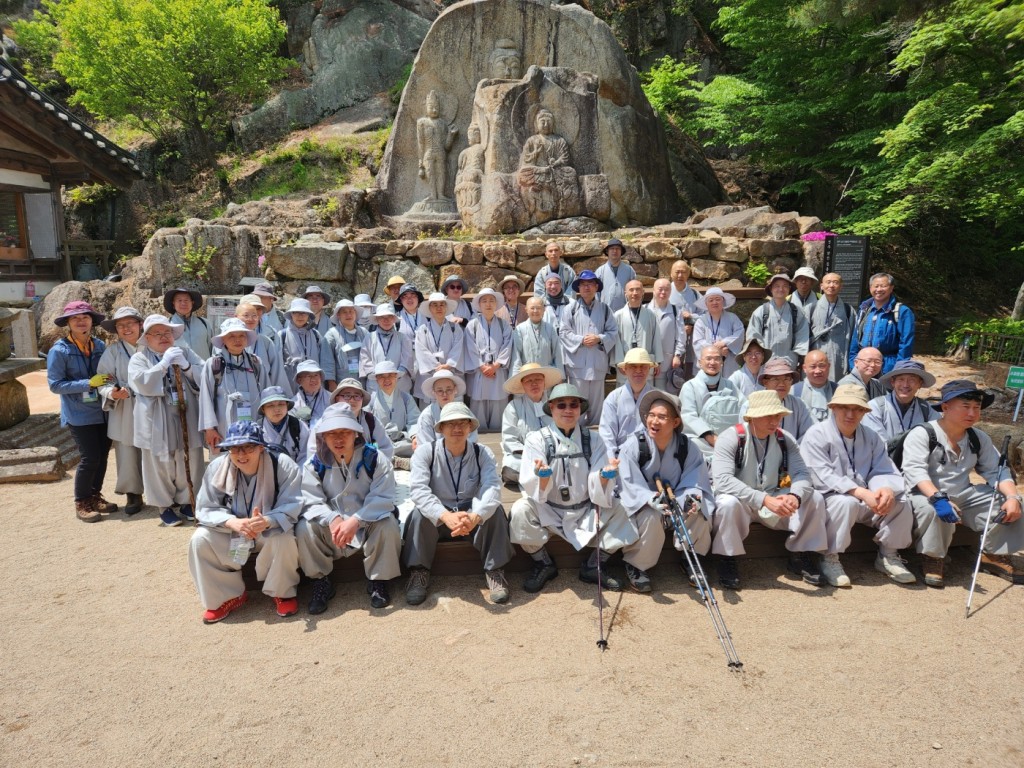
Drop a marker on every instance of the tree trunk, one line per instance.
(1018, 306)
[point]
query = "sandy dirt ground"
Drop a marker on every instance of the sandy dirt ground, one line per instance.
(104, 662)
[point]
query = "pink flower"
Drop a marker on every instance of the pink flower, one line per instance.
(261, 260)
(811, 236)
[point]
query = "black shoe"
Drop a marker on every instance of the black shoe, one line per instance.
(608, 581)
(378, 592)
(185, 510)
(805, 565)
(690, 575)
(728, 573)
(134, 505)
(323, 591)
(541, 574)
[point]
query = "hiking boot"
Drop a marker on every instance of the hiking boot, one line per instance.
(894, 567)
(728, 573)
(86, 512)
(690, 575)
(214, 615)
(103, 506)
(134, 505)
(416, 591)
(541, 574)
(638, 580)
(286, 606)
(833, 571)
(378, 592)
(1002, 566)
(805, 565)
(185, 510)
(498, 586)
(323, 591)
(933, 569)
(168, 518)
(609, 582)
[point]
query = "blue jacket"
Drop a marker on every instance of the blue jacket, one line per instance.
(890, 329)
(68, 373)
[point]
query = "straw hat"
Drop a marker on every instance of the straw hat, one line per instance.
(850, 394)
(396, 280)
(456, 412)
(637, 356)
(552, 376)
(764, 402)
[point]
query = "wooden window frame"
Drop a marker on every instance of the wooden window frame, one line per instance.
(19, 253)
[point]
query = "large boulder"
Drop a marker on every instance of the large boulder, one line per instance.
(409, 270)
(488, 34)
(311, 258)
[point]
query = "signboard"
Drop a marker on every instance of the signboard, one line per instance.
(1015, 378)
(847, 256)
(218, 309)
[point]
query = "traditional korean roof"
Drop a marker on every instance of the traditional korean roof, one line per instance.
(48, 139)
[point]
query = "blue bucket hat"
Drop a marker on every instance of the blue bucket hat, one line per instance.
(908, 366)
(586, 274)
(243, 433)
(968, 390)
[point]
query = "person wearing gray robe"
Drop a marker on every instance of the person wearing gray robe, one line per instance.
(718, 327)
(766, 481)
(901, 409)
(832, 323)
(302, 342)
(440, 389)
(671, 331)
(350, 392)
(621, 417)
(522, 416)
(249, 311)
(157, 419)
(456, 492)
(230, 383)
(116, 400)
(440, 344)
(395, 409)
(710, 402)
(750, 359)
(781, 325)
(387, 344)
(282, 431)
(589, 335)
(815, 390)
(851, 469)
(488, 350)
(249, 502)
(866, 368)
(182, 304)
(345, 344)
(614, 274)
(535, 340)
(684, 298)
(778, 376)
(555, 266)
(638, 329)
(347, 509)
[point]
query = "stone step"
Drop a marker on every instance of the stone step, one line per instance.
(28, 465)
(42, 430)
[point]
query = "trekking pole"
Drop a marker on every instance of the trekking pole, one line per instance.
(183, 416)
(678, 518)
(601, 642)
(1003, 458)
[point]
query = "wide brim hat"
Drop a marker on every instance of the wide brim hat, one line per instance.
(385, 310)
(233, 325)
(427, 388)
(307, 366)
(455, 279)
(273, 395)
(566, 390)
(456, 412)
(343, 417)
(351, 384)
(395, 280)
(385, 367)
(636, 356)
(79, 308)
(746, 345)
(676, 378)
(914, 368)
(265, 289)
(110, 323)
(614, 241)
(153, 320)
(252, 300)
(451, 304)
(764, 402)
(311, 289)
(510, 279)
(410, 288)
(779, 366)
(728, 298)
(344, 304)
(299, 305)
(850, 394)
(773, 278)
(243, 433)
(362, 300)
(805, 272)
(960, 387)
(498, 298)
(586, 274)
(552, 376)
(657, 394)
(196, 296)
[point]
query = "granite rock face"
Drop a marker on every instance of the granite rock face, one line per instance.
(499, 42)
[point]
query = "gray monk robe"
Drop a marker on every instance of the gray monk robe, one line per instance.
(815, 398)
(442, 483)
(889, 419)
(536, 343)
(587, 366)
(267, 351)
(346, 491)
(226, 492)
(380, 346)
(621, 417)
(521, 417)
(157, 425)
(399, 415)
(438, 345)
(121, 416)
(638, 329)
(425, 425)
(639, 493)
(775, 325)
(234, 394)
(831, 331)
(543, 512)
(838, 466)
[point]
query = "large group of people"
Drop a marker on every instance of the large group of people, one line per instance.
(806, 419)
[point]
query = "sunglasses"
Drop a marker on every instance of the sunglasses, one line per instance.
(561, 405)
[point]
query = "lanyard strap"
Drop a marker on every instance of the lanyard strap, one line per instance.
(462, 462)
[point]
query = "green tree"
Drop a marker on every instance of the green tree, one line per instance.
(169, 65)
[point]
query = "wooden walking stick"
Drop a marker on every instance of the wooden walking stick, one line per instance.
(183, 416)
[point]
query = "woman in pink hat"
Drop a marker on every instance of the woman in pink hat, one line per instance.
(72, 371)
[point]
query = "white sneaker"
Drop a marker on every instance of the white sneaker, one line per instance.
(833, 571)
(893, 566)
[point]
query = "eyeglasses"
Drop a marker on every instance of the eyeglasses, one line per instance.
(243, 450)
(160, 334)
(561, 405)
(455, 287)
(351, 396)
(869, 361)
(445, 391)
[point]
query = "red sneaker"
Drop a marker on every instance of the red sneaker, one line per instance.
(286, 606)
(214, 615)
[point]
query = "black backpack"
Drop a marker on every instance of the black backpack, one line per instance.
(367, 461)
(682, 448)
(549, 447)
(294, 432)
(741, 432)
(895, 445)
(218, 368)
